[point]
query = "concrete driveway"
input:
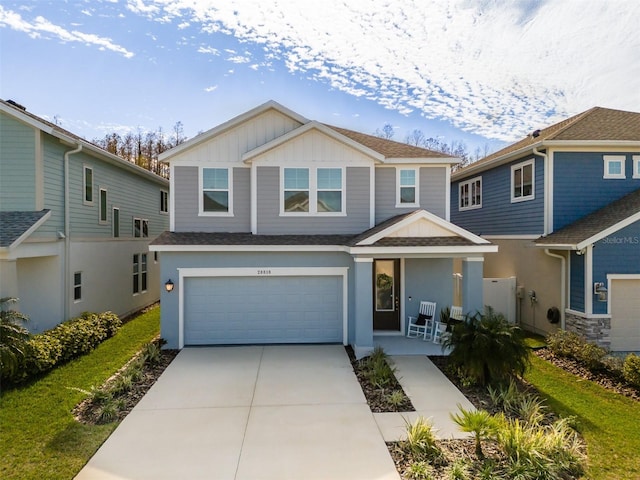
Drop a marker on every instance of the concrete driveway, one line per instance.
(273, 412)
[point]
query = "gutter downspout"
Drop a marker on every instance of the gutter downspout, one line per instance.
(67, 239)
(547, 190)
(562, 285)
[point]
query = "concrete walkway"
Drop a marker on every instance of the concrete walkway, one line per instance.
(272, 412)
(432, 394)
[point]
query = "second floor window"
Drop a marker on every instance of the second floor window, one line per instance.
(636, 166)
(313, 190)
(164, 201)
(522, 181)
(88, 184)
(116, 222)
(103, 205)
(614, 166)
(407, 187)
(470, 194)
(140, 228)
(216, 191)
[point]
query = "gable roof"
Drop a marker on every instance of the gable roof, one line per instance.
(598, 124)
(17, 226)
(21, 114)
(595, 226)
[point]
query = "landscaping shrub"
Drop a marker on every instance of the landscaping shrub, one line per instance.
(67, 341)
(592, 356)
(564, 343)
(13, 339)
(487, 348)
(421, 440)
(631, 370)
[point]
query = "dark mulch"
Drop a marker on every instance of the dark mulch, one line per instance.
(87, 412)
(604, 378)
(378, 399)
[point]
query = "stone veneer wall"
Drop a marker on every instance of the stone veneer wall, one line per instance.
(595, 330)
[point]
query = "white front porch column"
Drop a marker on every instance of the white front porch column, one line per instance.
(472, 294)
(363, 307)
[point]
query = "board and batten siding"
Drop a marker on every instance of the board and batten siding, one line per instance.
(187, 198)
(229, 146)
(579, 187)
(17, 165)
(576, 289)
(432, 188)
(357, 207)
(618, 253)
(498, 216)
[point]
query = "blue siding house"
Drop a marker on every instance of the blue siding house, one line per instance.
(563, 206)
(75, 223)
(287, 230)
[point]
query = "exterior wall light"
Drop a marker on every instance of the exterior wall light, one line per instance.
(601, 291)
(168, 286)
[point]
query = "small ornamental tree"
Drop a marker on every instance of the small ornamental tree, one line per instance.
(13, 338)
(487, 348)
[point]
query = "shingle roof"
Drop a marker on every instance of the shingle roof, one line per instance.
(15, 224)
(594, 223)
(381, 226)
(423, 242)
(389, 148)
(594, 124)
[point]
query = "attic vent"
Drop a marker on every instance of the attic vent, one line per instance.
(535, 133)
(17, 105)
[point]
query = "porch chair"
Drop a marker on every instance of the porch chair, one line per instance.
(422, 325)
(456, 313)
(440, 332)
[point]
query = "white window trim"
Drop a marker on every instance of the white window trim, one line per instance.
(136, 274)
(399, 204)
(100, 206)
(469, 183)
(636, 166)
(115, 224)
(533, 181)
(133, 225)
(313, 192)
(144, 272)
(229, 190)
(164, 196)
(75, 285)
(84, 185)
(614, 158)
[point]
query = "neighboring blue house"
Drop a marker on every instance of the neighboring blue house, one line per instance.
(75, 223)
(563, 206)
(286, 230)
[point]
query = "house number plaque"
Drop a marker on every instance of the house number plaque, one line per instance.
(264, 272)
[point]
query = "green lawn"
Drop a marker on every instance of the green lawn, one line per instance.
(609, 422)
(39, 437)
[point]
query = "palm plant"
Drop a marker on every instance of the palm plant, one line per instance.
(479, 422)
(13, 338)
(487, 348)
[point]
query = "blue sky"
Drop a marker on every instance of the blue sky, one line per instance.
(484, 72)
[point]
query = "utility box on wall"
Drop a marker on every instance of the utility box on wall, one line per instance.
(500, 293)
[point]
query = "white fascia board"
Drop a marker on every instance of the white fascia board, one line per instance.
(436, 161)
(424, 215)
(32, 122)
(478, 166)
(223, 127)
(558, 246)
(313, 125)
(512, 237)
(247, 248)
(438, 251)
(608, 231)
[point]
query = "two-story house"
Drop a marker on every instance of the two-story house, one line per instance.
(563, 204)
(286, 230)
(75, 223)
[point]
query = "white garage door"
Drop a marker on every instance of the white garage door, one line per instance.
(625, 315)
(248, 310)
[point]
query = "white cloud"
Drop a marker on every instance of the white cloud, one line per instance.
(210, 50)
(40, 27)
(212, 88)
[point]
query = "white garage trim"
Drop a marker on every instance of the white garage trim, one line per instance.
(619, 276)
(263, 272)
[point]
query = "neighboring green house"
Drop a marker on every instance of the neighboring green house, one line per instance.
(75, 223)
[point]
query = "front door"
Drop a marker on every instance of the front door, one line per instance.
(386, 298)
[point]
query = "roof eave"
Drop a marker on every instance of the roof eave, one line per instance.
(478, 167)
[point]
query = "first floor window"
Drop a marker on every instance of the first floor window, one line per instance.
(143, 272)
(139, 273)
(296, 190)
(215, 190)
(407, 194)
(470, 194)
(140, 228)
(77, 286)
(614, 166)
(522, 182)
